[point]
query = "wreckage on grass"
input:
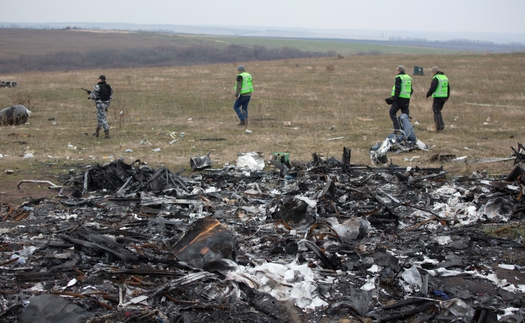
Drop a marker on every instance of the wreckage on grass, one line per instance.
(304, 242)
(14, 115)
(8, 84)
(404, 141)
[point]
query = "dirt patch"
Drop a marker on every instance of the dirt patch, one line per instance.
(10, 194)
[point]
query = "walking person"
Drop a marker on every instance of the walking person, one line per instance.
(400, 96)
(440, 91)
(102, 94)
(243, 93)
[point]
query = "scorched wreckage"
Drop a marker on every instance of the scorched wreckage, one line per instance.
(322, 241)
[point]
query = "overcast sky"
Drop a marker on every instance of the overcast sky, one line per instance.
(505, 16)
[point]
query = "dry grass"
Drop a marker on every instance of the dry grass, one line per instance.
(46, 41)
(484, 116)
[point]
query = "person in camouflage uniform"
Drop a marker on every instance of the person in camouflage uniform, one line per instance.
(102, 94)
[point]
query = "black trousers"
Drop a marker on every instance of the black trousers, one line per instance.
(401, 104)
(437, 106)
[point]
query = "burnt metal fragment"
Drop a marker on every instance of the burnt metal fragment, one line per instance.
(200, 162)
(205, 242)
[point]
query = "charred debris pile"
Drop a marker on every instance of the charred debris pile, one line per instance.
(323, 241)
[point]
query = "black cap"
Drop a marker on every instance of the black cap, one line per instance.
(102, 77)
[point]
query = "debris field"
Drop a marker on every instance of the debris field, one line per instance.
(317, 241)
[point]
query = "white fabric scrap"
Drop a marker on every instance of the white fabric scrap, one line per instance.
(374, 269)
(442, 240)
(505, 266)
(283, 281)
(370, 284)
(425, 261)
(412, 279)
(254, 161)
(509, 311)
(309, 201)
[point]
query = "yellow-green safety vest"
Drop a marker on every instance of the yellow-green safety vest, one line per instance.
(247, 83)
(442, 88)
(406, 86)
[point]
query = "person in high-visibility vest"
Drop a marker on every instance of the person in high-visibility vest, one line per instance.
(440, 91)
(400, 96)
(243, 94)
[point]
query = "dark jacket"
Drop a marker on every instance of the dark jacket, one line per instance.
(434, 85)
(102, 92)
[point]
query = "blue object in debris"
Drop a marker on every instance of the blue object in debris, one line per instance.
(441, 294)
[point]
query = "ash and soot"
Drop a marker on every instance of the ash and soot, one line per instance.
(319, 241)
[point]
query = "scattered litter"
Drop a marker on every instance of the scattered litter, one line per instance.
(462, 158)
(144, 141)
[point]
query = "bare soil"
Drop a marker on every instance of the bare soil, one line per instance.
(12, 195)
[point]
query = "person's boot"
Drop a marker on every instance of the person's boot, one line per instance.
(97, 131)
(107, 134)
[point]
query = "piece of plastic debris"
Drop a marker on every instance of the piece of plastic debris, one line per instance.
(252, 160)
(441, 294)
(19, 259)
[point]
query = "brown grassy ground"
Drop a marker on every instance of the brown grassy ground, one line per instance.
(330, 103)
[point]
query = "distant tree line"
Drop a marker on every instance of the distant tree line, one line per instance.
(460, 44)
(160, 56)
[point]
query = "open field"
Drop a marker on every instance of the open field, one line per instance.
(330, 103)
(44, 41)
